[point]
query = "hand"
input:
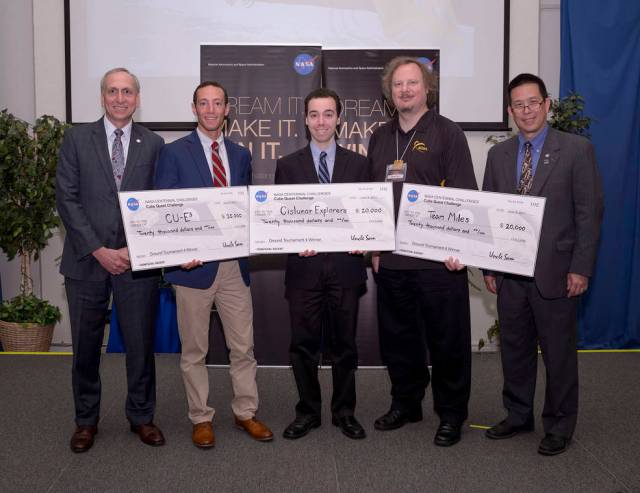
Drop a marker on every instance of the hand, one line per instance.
(191, 265)
(490, 283)
(453, 264)
(375, 261)
(113, 261)
(357, 252)
(576, 284)
(308, 253)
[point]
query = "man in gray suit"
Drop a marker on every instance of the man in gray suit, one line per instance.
(97, 160)
(561, 167)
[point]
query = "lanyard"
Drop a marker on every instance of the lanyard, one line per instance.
(399, 158)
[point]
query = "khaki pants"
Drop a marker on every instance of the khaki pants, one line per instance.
(232, 299)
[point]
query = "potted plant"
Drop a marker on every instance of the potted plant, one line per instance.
(28, 159)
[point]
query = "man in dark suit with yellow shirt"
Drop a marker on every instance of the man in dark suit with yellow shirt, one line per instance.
(542, 310)
(326, 281)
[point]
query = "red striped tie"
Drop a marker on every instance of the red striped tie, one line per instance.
(219, 174)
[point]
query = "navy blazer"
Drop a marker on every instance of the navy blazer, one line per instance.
(182, 164)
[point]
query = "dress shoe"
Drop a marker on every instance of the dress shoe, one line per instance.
(396, 418)
(349, 426)
(202, 435)
(83, 437)
(301, 426)
(149, 434)
(256, 429)
(506, 430)
(553, 444)
(448, 434)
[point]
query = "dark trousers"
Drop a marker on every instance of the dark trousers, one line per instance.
(330, 306)
(136, 301)
(527, 319)
(420, 310)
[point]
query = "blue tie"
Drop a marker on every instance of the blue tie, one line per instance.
(323, 169)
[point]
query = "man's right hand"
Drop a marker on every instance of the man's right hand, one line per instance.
(490, 282)
(190, 265)
(113, 261)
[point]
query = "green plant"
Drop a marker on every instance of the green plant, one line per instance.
(492, 333)
(28, 159)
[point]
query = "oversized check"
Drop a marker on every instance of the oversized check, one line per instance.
(495, 231)
(336, 217)
(172, 227)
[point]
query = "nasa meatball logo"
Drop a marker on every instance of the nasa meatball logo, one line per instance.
(304, 64)
(133, 204)
(428, 63)
(412, 196)
(261, 196)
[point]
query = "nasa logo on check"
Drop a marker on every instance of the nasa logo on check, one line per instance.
(261, 196)
(412, 196)
(133, 204)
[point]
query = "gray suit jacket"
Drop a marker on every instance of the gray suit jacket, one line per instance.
(87, 197)
(567, 176)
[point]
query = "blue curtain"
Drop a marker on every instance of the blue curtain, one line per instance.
(600, 60)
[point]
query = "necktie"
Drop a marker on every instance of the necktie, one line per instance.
(219, 174)
(117, 157)
(323, 169)
(526, 175)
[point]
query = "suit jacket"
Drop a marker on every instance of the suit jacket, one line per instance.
(87, 196)
(298, 167)
(182, 164)
(567, 176)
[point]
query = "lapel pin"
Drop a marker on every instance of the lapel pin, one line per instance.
(138, 141)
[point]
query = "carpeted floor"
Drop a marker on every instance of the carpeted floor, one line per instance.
(36, 422)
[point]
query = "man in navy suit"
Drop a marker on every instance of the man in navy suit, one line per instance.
(205, 158)
(97, 160)
(315, 282)
(542, 310)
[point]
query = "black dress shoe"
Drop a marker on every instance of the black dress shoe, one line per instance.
(349, 426)
(396, 418)
(506, 430)
(553, 444)
(83, 438)
(448, 434)
(301, 426)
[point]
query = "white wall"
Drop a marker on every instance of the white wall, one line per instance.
(38, 68)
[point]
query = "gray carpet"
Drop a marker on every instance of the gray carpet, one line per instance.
(36, 422)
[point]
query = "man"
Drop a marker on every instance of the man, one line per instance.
(97, 160)
(324, 287)
(205, 158)
(422, 304)
(541, 310)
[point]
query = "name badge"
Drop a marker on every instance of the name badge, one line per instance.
(397, 171)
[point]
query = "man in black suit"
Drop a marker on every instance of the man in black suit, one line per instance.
(97, 160)
(323, 287)
(541, 310)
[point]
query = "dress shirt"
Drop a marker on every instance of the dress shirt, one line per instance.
(331, 156)
(536, 148)
(110, 129)
(206, 142)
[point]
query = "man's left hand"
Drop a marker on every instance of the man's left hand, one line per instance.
(576, 284)
(453, 264)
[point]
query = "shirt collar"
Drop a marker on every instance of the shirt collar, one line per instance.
(330, 150)
(110, 128)
(421, 126)
(206, 141)
(537, 142)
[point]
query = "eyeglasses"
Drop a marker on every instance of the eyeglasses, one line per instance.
(532, 104)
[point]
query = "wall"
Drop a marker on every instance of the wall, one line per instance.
(38, 68)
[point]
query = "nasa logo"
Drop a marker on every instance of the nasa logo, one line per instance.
(412, 196)
(261, 196)
(133, 204)
(426, 62)
(304, 64)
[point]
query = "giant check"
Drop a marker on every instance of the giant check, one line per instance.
(336, 217)
(495, 231)
(172, 227)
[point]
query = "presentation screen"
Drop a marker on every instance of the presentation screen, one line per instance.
(159, 41)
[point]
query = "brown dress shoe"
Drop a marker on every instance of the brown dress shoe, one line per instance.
(83, 437)
(256, 429)
(202, 435)
(149, 434)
